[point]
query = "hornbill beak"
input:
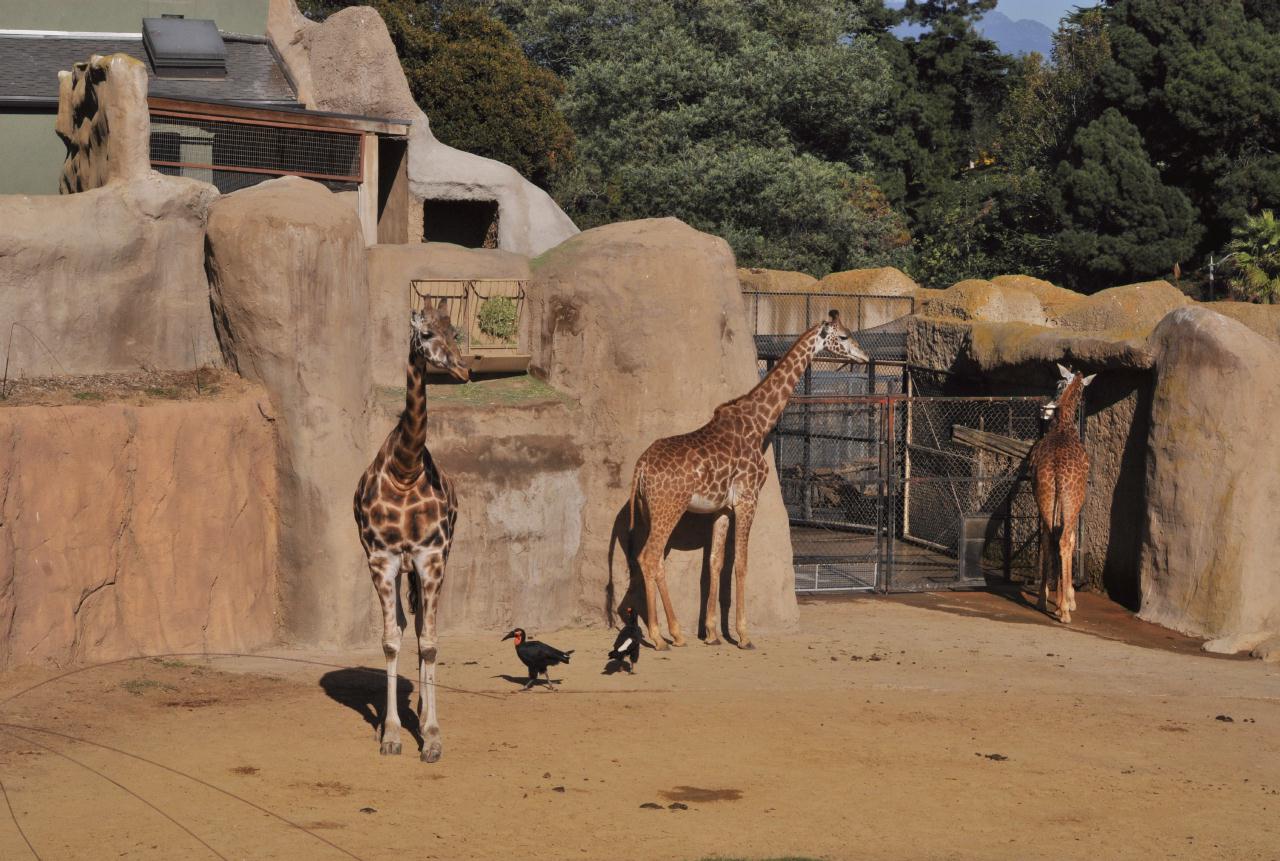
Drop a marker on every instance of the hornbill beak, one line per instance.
(509, 636)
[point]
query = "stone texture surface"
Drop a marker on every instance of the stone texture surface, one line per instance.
(287, 270)
(129, 530)
(519, 475)
(775, 280)
(883, 281)
(1213, 483)
(392, 267)
(111, 279)
(642, 324)
(104, 122)
(348, 64)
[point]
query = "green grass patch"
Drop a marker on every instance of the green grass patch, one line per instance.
(88, 396)
(166, 392)
(511, 391)
(138, 687)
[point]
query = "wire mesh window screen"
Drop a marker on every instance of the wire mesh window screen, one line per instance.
(235, 153)
(487, 313)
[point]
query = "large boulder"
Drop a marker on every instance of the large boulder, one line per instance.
(642, 322)
(108, 280)
(287, 269)
(103, 121)
(1213, 484)
(759, 280)
(348, 64)
(884, 281)
(976, 299)
(393, 267)
(132, 529)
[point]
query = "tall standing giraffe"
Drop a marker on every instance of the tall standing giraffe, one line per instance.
(1060, 473)
(405, 508)
(719, 468)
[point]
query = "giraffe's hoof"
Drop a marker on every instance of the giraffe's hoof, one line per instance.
(390, 748)
(661, 645)
(746, 645)
(712, 641)
(678, 642)
(432, 752)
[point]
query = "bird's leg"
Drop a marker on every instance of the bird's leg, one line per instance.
(385, 569)
(550, 686)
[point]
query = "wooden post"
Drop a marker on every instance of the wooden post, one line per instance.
(367, 193)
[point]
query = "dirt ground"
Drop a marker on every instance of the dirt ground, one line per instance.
(947, 726)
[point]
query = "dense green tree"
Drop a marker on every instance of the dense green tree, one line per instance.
(1256, 246)
(947, 84)
(1119, 220)
(747, 119)
(469, 74)
(1199, 81)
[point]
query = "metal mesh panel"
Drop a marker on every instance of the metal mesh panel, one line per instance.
(234, 154)
(909, 493)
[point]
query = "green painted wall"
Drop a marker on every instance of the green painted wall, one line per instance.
(31, 154)
(125, 16)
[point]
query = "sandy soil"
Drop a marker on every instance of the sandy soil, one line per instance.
(936, 727)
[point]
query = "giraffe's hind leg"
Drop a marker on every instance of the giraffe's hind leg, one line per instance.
(743, 513)
(719, 533)
(385, 569)
(1066, 592)
(662, 522)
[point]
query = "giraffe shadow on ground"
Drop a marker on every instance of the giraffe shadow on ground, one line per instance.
(364, 691)
(693, 532)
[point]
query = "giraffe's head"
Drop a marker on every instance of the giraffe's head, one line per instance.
(836, 339)
(432, 339)
(516, 634)
(1067, 375)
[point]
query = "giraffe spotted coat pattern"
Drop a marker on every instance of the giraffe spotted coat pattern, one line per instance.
(405, 508)
(719, 469)
(1060, 473)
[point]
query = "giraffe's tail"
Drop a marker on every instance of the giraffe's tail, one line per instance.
(636, 478)
(1057, 520)
(415, 590)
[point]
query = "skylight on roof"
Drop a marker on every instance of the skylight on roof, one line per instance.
(184, 47)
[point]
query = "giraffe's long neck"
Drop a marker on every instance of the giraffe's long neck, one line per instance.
(773, 392)
(1064, 417)
(405, 461)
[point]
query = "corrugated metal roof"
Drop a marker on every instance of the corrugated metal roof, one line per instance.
(29, 67)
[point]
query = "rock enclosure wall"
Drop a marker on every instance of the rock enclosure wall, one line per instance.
(287, 268)
(132, 530)
(108, 280)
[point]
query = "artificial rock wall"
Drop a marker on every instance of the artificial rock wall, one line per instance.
(103, 120)
(134, 530)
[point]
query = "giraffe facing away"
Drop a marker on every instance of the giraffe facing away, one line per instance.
(719, 468)
(405, 508)
(1060, 473)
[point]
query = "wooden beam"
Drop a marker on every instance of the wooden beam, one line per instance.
(1017, 449)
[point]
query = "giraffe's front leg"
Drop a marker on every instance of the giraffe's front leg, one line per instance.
(719, 533)
(744, 512)
(385, 569)
(430, 568)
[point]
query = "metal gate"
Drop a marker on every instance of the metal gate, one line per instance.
(894, 492)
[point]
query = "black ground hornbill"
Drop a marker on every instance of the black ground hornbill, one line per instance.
(537, 656)
(627, 645)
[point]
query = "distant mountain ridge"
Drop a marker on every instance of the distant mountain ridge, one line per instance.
(1013, 37)
(1016, 37)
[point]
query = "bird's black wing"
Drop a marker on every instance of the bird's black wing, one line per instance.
(547, 656)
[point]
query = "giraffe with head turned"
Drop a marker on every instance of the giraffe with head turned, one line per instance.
(1060, 474)
(405, 508)
(719, 469)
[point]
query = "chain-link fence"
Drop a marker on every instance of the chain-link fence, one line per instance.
(902, 493)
